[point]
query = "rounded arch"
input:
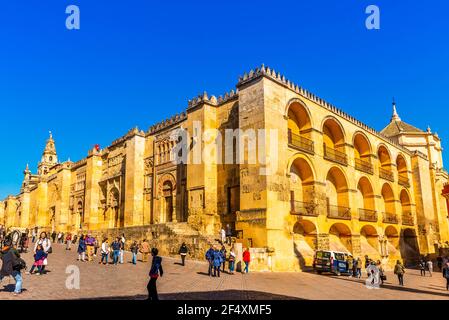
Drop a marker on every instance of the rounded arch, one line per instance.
(384, 156)
(302, 179)
(337, 190)
(303, 157)
(299, 108)
(404, 197)
(391, 232)
(369, 231)
(365, 194)
(401, 163)
(305, 242)
(333, 133)
(388, 199)
(340, 237)
(304, 227)
(362, 146)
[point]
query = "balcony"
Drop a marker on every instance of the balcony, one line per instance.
(364, 166)
(386, 174)
(337, 212)
(335, 156)
(390, 218)
(299, 208)
(300, 143)
(367, 215)
(403, 181)
(407, 219)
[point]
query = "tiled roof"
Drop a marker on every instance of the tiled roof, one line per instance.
(396, 127)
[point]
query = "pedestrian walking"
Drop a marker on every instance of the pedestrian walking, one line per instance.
(232, 256)
(223, 236)
(217, 261)
(430, 267)
(39, 258)
(223, 252)
(359, 268)
(228, 234)
(155, 271)
(382, 275)
(134, 250)
(12, 265)
(46, 245)
(75, 238)
(399, 270)
(116, 246)
(53, 236)
(96, 246)
(90, 246)
(367, 264)
(122, 248)
(422, 267)
(34, 235)
(246, 259)
(349, 265)
(446, 275)
(183, 251)
(82, 249)
(145, 250)
(68, 242)
(440, 263)
(105, 250)
(210, 259)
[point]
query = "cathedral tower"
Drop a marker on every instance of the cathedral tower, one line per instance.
(49, 157)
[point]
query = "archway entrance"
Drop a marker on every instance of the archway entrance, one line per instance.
(340, 238)
(392, 243)
(79, 216)
(409, 246)
(167, 206)
(301, 188)
(369, 242)
(304, 243)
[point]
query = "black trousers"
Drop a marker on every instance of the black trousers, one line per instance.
(183, 259)
(217, 269)
(447, 283)
(152, 290)
(401, 279)
(211, 267)
(423, 272)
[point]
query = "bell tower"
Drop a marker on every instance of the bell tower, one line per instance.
(49, 156)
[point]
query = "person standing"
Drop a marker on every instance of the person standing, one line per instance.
(134, 250)
(39, 258)
(104, 252)
(210, 259)
(155, 271)
(116, 246)
(349, 264)
(359, 268)
(446, 275)
(122, 248)
(90, 243)
(232, 261)
(223, 252)
(440, 263)
(11, 266)
(53, 236)
(145, 250)
(399, 270)
(382, 276)
(228, 234)
(422, 267)
(223, 236)
(217, 261)
(46, 245)
(246, 259)
(33, 235)
(430, 267)
(68, 242)
(82, 249)
(183, 251)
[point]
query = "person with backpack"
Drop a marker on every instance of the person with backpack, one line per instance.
(155, 271)
(12, 265)
(45, 242)
(399, 270)
(183, 251)
(217, 261)
(82, 249)
(446, 275)
(116, 246)
(210, 259)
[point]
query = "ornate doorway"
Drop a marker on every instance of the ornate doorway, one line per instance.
(167, 191)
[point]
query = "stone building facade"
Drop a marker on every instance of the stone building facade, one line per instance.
(332, 181)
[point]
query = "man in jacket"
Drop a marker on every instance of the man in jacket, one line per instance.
(183, 251)
(90, 246)
(9, 256)
(155, 271)
(145, 250)
(399, 270)
(210, 259)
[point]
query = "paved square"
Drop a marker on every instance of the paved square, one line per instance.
(191, 282)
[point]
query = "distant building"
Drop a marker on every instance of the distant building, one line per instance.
(334, 183)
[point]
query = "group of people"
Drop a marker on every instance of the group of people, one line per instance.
(355, 265)
(217, 258)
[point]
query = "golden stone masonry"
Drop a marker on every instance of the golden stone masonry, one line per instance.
(337, 183)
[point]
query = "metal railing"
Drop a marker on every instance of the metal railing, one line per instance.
(301, 143)
(407, 219)
(364, 166)
(367, 215)
(386, 174)
(337, 212)
(301, 208)
(390, 218)
(335, 155)
(404, 181)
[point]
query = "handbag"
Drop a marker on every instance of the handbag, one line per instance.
(45, 262)
(50, 250)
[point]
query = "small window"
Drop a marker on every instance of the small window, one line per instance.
(50, 158)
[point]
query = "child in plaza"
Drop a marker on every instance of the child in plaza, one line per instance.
(39, 258)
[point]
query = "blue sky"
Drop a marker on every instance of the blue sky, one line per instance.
(136, 62)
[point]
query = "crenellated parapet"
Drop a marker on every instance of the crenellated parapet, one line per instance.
(168, 123)
(270, 73)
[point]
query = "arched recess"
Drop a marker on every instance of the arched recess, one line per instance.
(388, 204)
(168, 201)
(369, 242)
(406, 208)
(79, 216)
(304, 242)
(299, 126)
(408, 244)
(333, 134)
(401, 165)
(365, 200)
(362, 153)
(337, 194)
(385, 163)
(115, 218)
(340, 238)
(302, 192)
(392, 237)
